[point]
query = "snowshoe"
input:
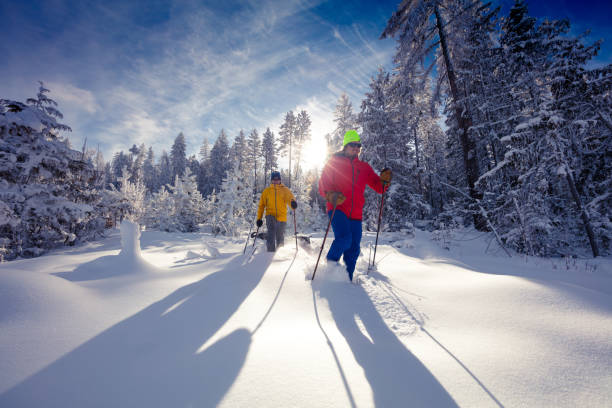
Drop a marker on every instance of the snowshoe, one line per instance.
(261, 235)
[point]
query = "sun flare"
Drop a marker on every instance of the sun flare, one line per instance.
(314, 154)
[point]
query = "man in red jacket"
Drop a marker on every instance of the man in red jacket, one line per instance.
(343, 183)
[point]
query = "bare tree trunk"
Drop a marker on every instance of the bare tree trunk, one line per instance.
(523, 227)
(416, 151)
(583, 214)
(464, 122)
(290, 140)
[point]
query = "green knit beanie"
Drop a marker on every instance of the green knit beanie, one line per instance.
(351, 136)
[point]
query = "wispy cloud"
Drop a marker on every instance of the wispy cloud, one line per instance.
(74, 97)
(197, 67)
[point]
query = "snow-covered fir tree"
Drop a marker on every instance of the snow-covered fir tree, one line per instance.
(219, 164)
(120, 161)
(178, 207)
(385, 146)
(254, 160)
(532, 194)
(188, 202)
(422, 27)
(234, 202)
(204, 155)
(150, 171)
(269, 153)
(238, 151)
(165, 170)
(287, 140)
(47, 194)
(161, 212)
(178, 156)
(345, 120)
(128, 201)
(302, 136)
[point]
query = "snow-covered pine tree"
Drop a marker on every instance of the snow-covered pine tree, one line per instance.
(415, 113)
(269, 152)
(287, 139)
(535, 201)
(129, 200)
(595, 176)
(165, 170)
(219, 163)
(302, 136)
(178, 156)
(423, 27)
(309, 215)
(149, 171)
(178, 207)
(188, 202)
(231, 210)
(483, 85)
(238, 150)
(161, 212)
(316, 217)
(203, 173)
(345, 120)
(568, 128)
(47, 197)
(120, 161)
(138, 155)
(380, 139)
(193, 165)
(254, 162)
(204, 152)
(108, 174)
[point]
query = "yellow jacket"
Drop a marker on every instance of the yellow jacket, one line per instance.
(275, 199)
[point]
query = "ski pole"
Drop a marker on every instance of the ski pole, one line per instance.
(295, 230)
(325, 237)
(247, 240)
(382, 202)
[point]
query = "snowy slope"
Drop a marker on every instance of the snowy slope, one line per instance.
(192, 322)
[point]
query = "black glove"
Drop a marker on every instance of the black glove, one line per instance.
(259, 223)
(293, 204)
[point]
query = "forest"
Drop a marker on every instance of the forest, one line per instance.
(488, 121)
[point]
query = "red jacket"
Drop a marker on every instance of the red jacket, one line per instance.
(350, 178)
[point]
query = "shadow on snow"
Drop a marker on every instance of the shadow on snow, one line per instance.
(396, 376)
(151, 359)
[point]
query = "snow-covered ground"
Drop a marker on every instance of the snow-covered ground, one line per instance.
(191, 322)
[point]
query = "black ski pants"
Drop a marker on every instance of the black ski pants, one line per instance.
(276, 233)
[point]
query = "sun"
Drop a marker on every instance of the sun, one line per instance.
(314, 154)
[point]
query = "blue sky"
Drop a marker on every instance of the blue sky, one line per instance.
(129, 72)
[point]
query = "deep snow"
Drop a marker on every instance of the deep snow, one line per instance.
(190, 321)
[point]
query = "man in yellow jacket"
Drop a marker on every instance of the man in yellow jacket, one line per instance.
(275, 199)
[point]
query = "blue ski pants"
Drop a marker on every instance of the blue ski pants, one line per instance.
(347, 241)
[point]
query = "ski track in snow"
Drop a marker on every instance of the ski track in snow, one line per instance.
(403, 318)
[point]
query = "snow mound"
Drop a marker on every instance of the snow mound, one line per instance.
(28, 295)
(130, 258)
(130, 239)
(208, 252)
(404, 243)
(193, 255)
(128, 261)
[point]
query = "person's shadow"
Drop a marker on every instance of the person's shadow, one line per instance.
(152, 358)
(396, 376)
